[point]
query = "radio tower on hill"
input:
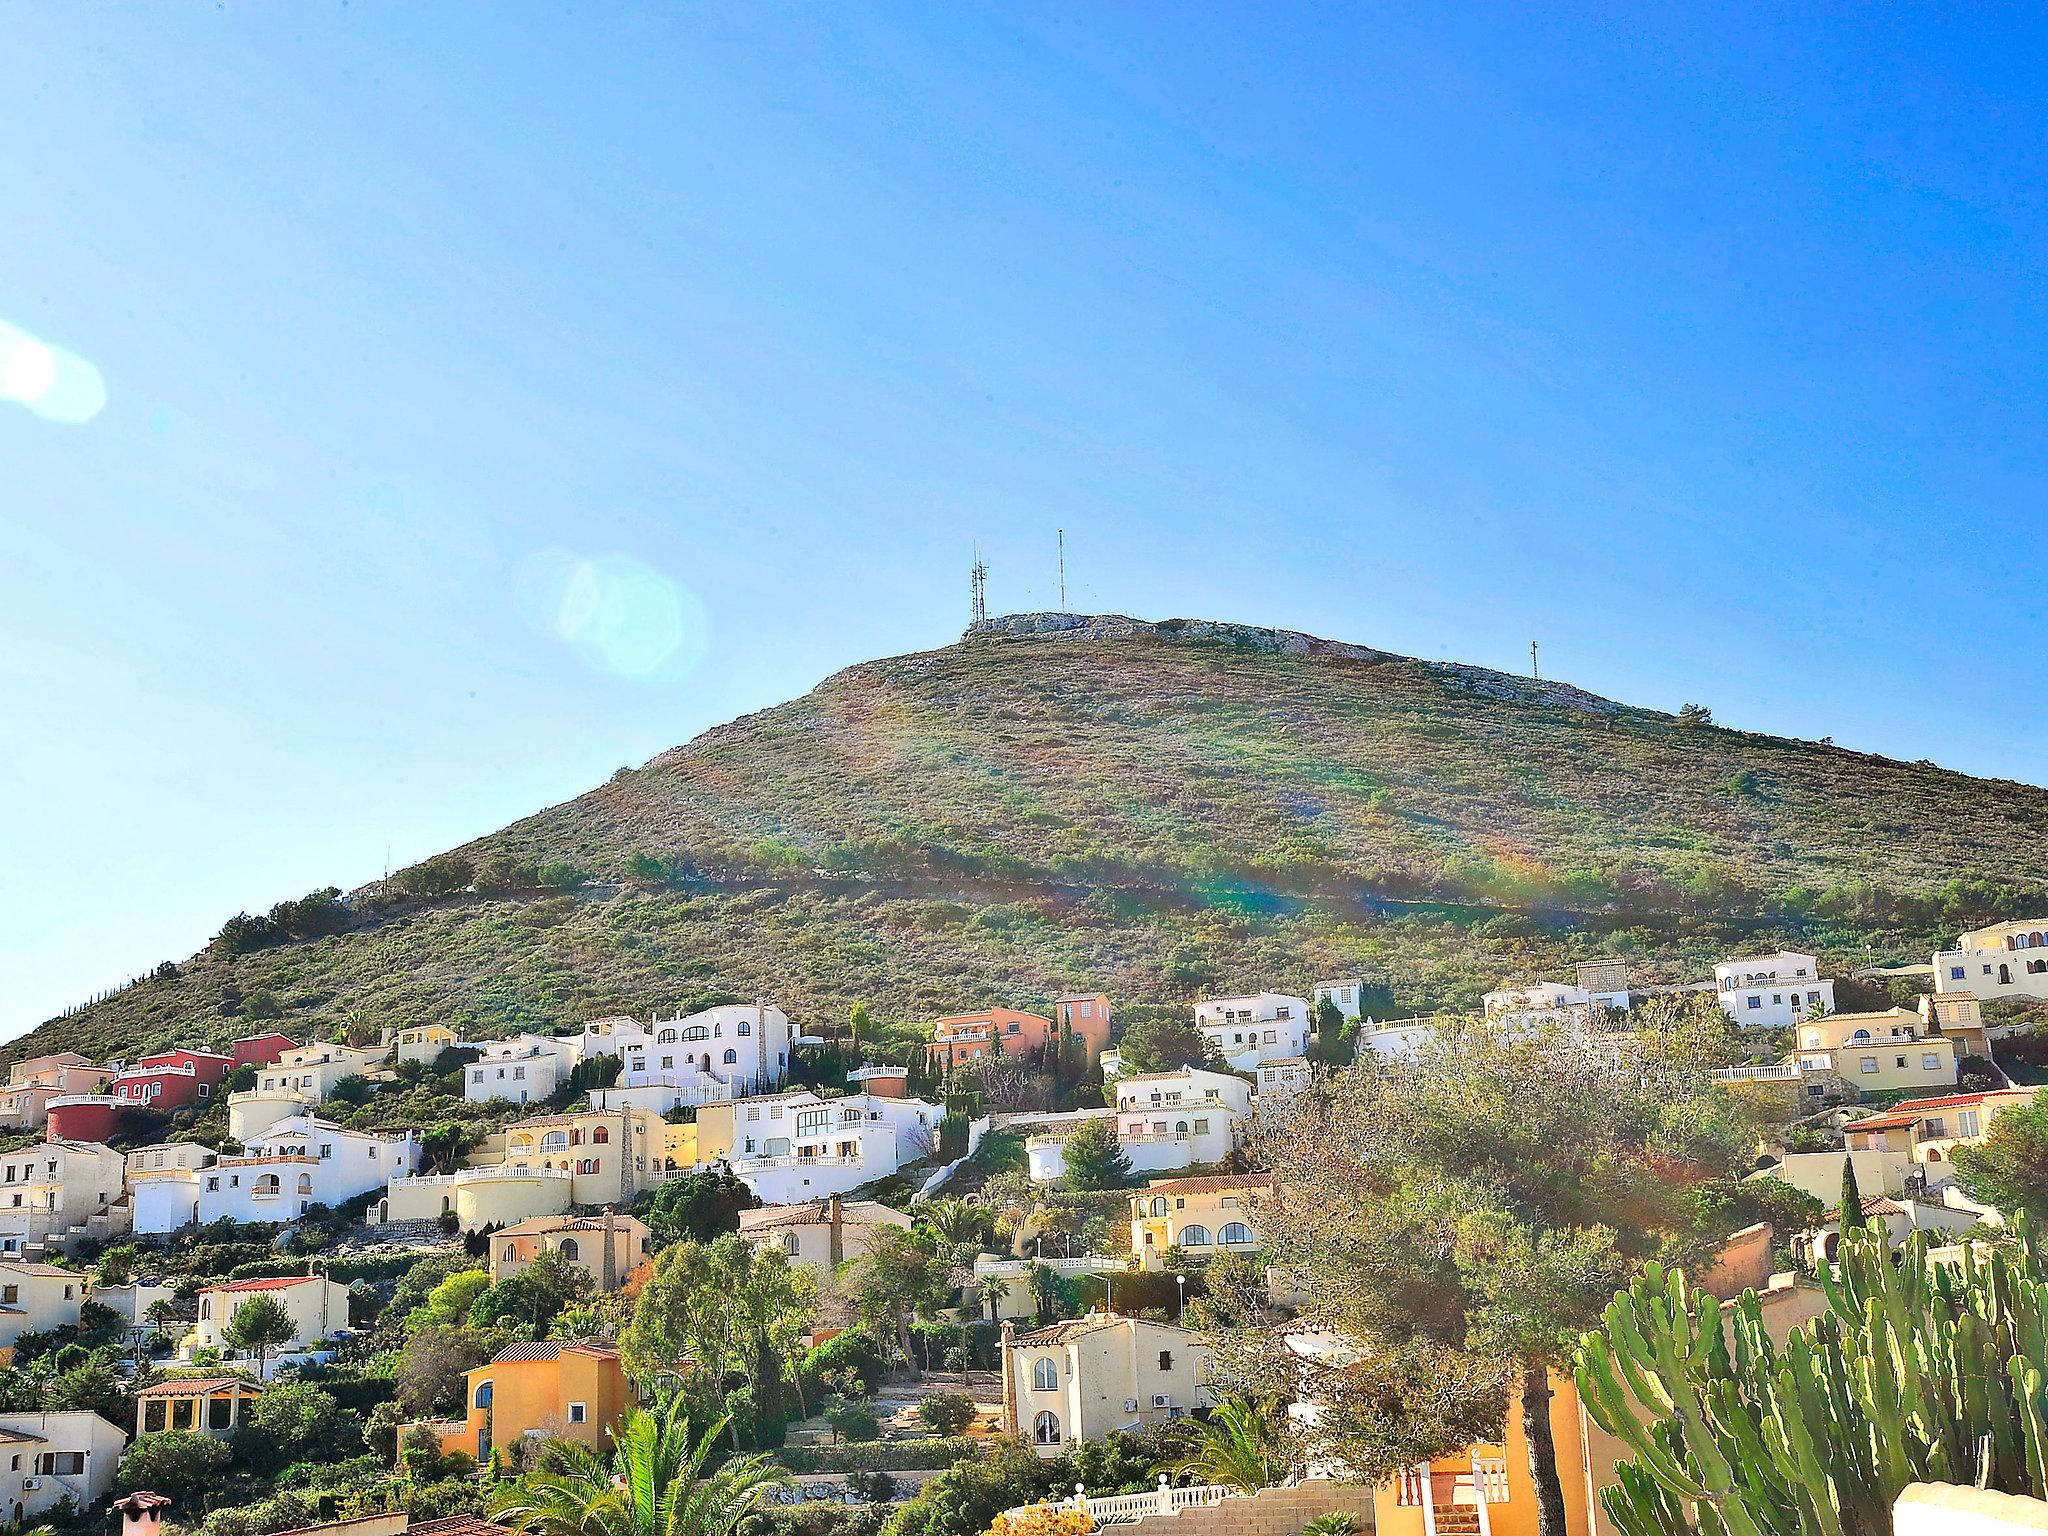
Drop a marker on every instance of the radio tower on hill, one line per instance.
(978, 577)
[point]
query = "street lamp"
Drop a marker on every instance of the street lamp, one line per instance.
(1182, 1282)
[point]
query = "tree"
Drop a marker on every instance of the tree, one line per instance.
(1094, 1158)
(699, 1208)
(1333, 1043)
(2009, 1171)
(432, 1366)
(1851, 1213)
(1243, 1444)
(1917, 1372)
(442, 875)
(178, 1463)
(654, 1483)
(296, 1421)
(532, 1296)
(727, 1307)
(1163, 1043)
(259, 1324)
(947, 1413)
(1463, 1216)
(95, 1386)
(499, 873)
(1694, 715)
(966, 1498)
(162, 1313)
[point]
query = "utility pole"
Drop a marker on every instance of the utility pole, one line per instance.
(1063, 570)
(1533, 672)
(978, 580)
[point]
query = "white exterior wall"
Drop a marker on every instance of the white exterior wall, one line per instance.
(1245, 1031)
(317, 1307)
(1344, 994)
(1772, 991)
(526, 1069)
(301, 1162)
(31, 1486)
(164, 1201)
(852, 1140)
(2006, 960)
(47, 1190)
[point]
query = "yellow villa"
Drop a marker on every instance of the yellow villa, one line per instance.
(551, 1389)
(1201, 1217)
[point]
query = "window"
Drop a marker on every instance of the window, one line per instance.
(1045, 1375)
(1201, 1127)
(1955, 973)
(1194, 1235)
(789, 1243)
(1045, 1429)
(1966, 1123)
(745, 1028)
(1869, 1064)
(511, 1253)
(483, 1394)
(732, 1058)
(1159, 1205)
(1930, 1062)
(601, 1136)
(1236, 1232)
(569, 1249)
(1756, 1000)
(578, 1412)
(1166, 1359)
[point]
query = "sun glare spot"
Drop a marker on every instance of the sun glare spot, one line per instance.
(622, 617)
(57, 385)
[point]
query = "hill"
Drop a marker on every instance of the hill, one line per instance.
(1061, 802)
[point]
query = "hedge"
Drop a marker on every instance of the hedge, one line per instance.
(929, 1455)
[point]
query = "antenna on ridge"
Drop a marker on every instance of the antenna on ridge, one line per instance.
(1063, 570)
(978, 579)
(1533, 672)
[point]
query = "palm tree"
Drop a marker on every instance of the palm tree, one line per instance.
(1243, 1444)
(653, 1483)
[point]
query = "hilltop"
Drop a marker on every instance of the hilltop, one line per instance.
(1060, 801)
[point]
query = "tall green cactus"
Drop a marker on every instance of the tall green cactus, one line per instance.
(1917, 1371)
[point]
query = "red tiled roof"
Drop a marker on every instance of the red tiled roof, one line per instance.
(277, 1283)
(1211, 1184)
(456, 1525)
(193, 1386)
(1899, 1116)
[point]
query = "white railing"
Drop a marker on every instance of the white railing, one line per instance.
(1778, 1072)
(470, 1175)
(762, 1164)
(1125, 1508)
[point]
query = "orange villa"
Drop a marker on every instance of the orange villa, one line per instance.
(552, 1389)
(1011, 1031)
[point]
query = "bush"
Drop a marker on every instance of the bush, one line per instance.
(177, 1463)
(854, 1421)
(947, 1413)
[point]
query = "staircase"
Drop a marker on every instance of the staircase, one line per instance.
(1456, 1520)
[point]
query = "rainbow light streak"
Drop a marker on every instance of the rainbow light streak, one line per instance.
(56, 384)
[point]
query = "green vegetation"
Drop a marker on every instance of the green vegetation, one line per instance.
(2010, 1170)
(1918, 1372)
(1156, 815)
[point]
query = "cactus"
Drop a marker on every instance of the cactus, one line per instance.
(1917, 1371)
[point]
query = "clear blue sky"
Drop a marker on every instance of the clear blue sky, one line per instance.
(499, 394)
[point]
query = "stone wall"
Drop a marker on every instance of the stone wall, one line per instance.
(1271, 1512)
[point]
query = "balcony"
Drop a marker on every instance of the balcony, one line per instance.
(1777, 1072)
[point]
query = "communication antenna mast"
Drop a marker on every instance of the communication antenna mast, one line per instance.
(1063, 570)
(978, 579)
(1533, 672)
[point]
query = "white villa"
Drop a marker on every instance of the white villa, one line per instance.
(1245, 1031)
(1772, 991)
(729, 1052)
(828, 1146)
(1164, 1120)
(1532, 1005)
(56, 1193)
(525, 1069)
(295, 1164)
(2004, 960)
(1342, 994)
(298, 1080)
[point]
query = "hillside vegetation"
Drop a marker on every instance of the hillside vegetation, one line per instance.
(1057, 803)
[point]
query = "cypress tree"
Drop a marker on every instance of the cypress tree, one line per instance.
(1852, 1197)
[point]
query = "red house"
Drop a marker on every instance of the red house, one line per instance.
(260, 1050)
(170, 1080)
(83, 1117)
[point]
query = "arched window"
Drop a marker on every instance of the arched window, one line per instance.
(576, 1136)
(696, 1032)
(1194, 1235)
(511, 1253)
(1045, 1376)
(732, 1058)
(569, 1249)
(1934, 1154)
(789, 1243)
(1180, 1127)
(1159, 1205)
(745, 1028)
(483, 1394)
(266, 1188)
(1236, 1232)
(1861, 1034)
(666, 1037)
(554, 1141)
(601, 1136)
(305, 1183)
(1045, 1429)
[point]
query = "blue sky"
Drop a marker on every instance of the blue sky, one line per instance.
(496, 395)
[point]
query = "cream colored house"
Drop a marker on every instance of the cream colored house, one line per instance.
(1928, 1131)
(318, 1308)
(298, 1080)
(46, 1458)
(2004, 960)
(1875, 1052)
(37, 1297)
(1201, 1217)
(1087, 1377)
(185, 1155)
(56, 1193)
(821, 1234)
(423, 1044)
(31, 1084)
(1957, 1017)
(581, 1240)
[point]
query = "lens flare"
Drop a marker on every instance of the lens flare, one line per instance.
(622, 617)
(57, 385)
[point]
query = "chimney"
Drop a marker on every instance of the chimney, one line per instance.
(1009, 1377)
(834, 1215)
(142, 1513)
(610, 1272)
